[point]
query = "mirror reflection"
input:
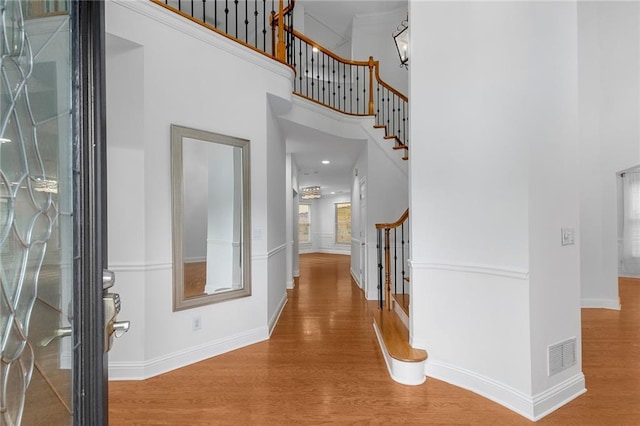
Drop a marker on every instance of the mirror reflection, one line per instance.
(210, 180)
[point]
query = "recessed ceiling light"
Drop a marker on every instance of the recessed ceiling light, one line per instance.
(333, 192)
(326, 161)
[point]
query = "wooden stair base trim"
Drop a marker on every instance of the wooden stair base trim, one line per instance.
(410, 373)
(400, 147)
(396, 337)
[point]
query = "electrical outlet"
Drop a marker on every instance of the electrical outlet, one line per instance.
(196, 323)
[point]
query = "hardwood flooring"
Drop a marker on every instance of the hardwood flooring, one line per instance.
(322, 365)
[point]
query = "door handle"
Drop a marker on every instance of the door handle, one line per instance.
(58, 334)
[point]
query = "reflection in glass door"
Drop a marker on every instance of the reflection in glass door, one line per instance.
(36, 237)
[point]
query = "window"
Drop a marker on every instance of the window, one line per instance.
(343, 223)
(304, 220)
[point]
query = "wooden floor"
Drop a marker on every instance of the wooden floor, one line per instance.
(323, 365)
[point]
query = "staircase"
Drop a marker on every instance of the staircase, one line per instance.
(392, 310)
(350, 87)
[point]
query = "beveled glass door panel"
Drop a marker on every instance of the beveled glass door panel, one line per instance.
(36, 229)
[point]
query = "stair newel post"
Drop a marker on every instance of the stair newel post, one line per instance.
(280, 51)
(387, 269)
(371, 65)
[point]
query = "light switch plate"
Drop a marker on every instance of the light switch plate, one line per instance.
(568, 236)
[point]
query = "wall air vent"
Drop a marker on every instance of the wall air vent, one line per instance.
(562, 356)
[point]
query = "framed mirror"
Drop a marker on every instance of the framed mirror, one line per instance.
(211, 217)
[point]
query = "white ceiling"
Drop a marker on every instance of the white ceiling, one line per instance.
(338, 15)
(308, 147)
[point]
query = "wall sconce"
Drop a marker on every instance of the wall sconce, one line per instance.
(401, 38)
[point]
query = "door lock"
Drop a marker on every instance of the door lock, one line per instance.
(111, 302)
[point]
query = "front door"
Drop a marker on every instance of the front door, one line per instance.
(52, 204)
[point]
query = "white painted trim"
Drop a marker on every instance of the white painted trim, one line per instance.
(273, 321)
(417, 342)
(406, 373)
(140, 266)
(162, 364)
(346, 251)
(555, 397)
(515, 400)
(291, 285)
(472, 269)
(195, 259)
(601, 303)
(354, 276)
(178, 23)
(270, 253)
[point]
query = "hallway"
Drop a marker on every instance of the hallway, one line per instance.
(323, 365)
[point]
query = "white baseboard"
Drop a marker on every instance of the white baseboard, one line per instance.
(601, 303)
(532, 407)
(153, 367)
(291, 284)
(355, 278)
(273, 321)
(550, 400)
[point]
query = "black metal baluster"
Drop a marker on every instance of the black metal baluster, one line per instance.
(344, 88)
(350, 88)
(236, 15)
(179, 4)
(312, 76)
(357, 89)
(246, 21)
(215, 13)
(323, 78)
(333, 80)
(395, 260)
(379, 250)
(226, 16)
(306, 67)
(388, 113)
(378, 103)
(403, 261)
(204, 9)
(264, 25)
(404, 121)
(318, 73)
(192, 8)
(300, 65)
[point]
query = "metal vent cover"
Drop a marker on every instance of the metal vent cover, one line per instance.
(562, 356)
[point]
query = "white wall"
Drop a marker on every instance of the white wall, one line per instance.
(494, 106)
(276, 212)
(608, 54)
(373, 36)
(161, 69)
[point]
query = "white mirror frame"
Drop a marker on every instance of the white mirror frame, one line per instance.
(178, 133)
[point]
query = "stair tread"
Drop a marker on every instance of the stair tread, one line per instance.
(395, 335)
(400, 147)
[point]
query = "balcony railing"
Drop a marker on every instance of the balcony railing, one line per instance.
(248, 22)
(351, 87)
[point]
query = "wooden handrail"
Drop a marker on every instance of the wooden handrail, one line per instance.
(387, 85)
(395, 224)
